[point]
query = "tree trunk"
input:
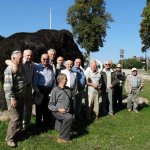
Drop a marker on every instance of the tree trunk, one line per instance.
(88, 58)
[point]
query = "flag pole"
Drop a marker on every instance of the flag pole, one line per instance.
(50, 23)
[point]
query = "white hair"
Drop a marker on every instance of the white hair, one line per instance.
(14, 54)
(52, 50)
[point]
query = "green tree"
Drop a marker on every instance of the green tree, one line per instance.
(131, 62)
(145, 27)
(89, 22)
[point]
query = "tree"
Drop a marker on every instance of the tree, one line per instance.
(145, 27)
(89, 22)
(132, 62)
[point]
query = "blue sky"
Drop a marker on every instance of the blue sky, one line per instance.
(33, 15)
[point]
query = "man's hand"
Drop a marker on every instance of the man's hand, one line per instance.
(62, 110)
(13, 103)
(110, 86)
(96, 86)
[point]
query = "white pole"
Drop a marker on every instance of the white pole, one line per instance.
(50, 23)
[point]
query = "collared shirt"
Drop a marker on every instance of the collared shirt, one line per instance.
(95, 78)
(13, 83)
(134, 82)
(108, 74)
(43, 76)
(71, 78)
(60, 98)
(81, 79)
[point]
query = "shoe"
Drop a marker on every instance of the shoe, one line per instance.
(11, 144)
(59, 140)
(129, 110)
(111, 114)
(136, 111)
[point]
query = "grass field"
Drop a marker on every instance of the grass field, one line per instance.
(124, 131)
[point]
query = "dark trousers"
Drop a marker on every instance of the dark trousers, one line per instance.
(43, 114)
(118, 98)
(64, 121)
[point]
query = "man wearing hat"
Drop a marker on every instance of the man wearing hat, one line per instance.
(118, 89)
(133, 85)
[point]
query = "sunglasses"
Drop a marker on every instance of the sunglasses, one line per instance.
(45, 59)
(107, 64)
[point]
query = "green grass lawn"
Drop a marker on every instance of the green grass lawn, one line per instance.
(124, 131)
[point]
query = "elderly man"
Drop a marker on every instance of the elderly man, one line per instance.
(28, 67)
(133, 85)
(71, 80)
(110, 81)
(44, 81)
(94, 82)
(60, 65)
(60, 104)
(14, 87)
(81, 81)
(52, 54)
(119, 87)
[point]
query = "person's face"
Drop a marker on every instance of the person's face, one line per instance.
(64, 81)
(28, 56)
(134, 72)
(107, 65)
(77, 63)
(118, 68)
(93, 67)
(60, 61)
(45, 60)
(51, 55)
(69, 65)
(18, 59)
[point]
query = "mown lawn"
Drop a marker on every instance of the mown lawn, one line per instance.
(124, 131)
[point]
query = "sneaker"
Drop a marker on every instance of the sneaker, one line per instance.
(59, 140)
(11, 144)
(136, 111)
(129, 109)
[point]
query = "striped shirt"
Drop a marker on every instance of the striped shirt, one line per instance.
(14, 83)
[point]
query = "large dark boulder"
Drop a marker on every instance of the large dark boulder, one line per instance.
(39, 42)
(1, 38)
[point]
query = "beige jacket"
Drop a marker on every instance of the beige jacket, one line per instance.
(128, 83)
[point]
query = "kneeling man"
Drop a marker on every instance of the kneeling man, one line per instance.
(61, 105)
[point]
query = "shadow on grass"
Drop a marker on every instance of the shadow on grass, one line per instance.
(79, 128)
(142, 105)
(31, 131)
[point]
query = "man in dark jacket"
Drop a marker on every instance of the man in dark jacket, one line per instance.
(110, 80)
(118, 90)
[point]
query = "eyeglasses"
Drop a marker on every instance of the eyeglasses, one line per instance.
(107, 64)
(45, 59)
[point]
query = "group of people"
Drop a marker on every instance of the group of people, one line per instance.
(61, 89)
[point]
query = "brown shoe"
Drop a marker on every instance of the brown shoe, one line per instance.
(11, 144)
(59, 140)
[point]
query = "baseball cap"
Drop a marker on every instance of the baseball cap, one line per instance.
(134, 69)
(119, 66)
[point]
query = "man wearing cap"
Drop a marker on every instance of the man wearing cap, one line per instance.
(133, 85)
(118, 89)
